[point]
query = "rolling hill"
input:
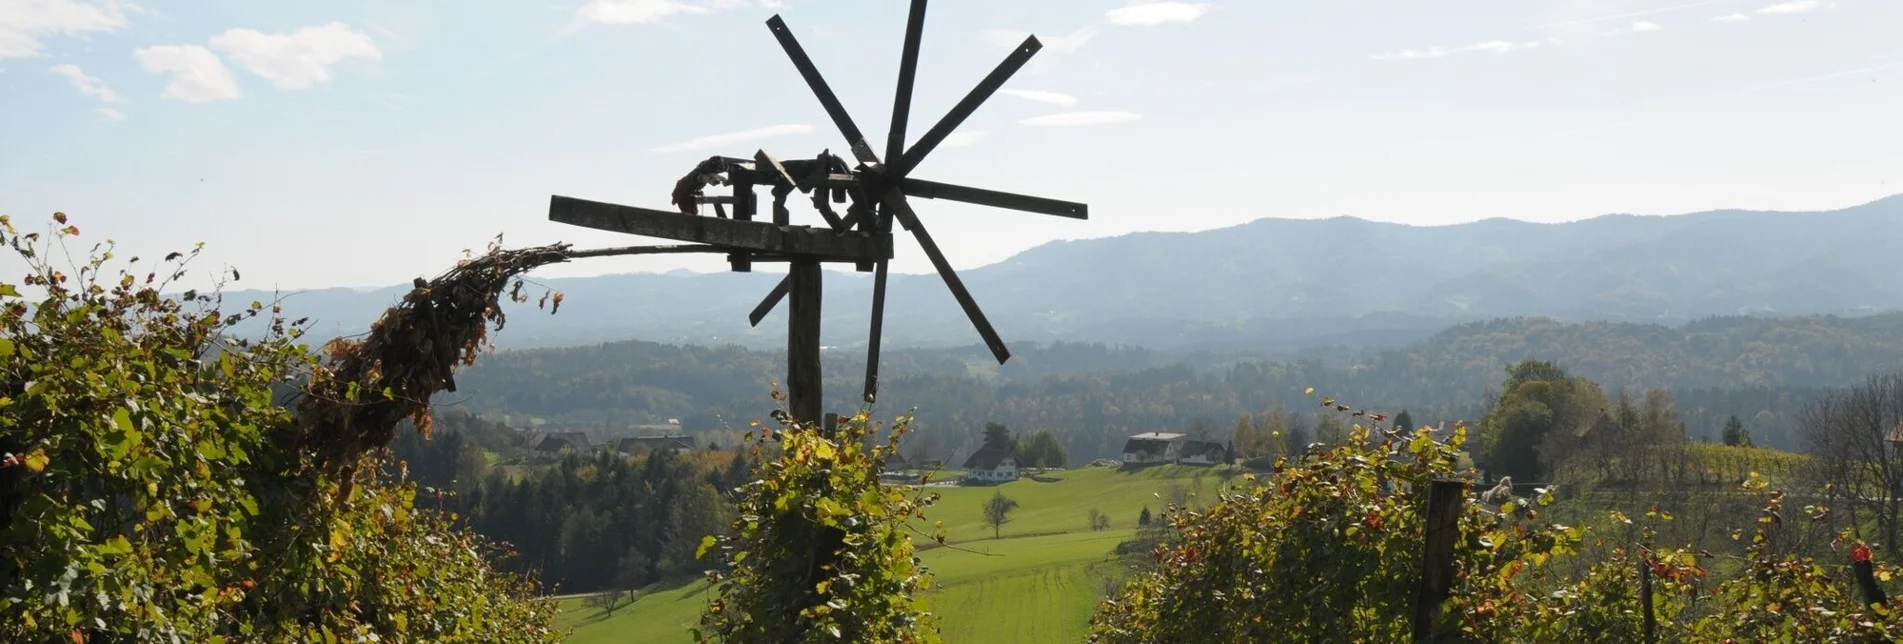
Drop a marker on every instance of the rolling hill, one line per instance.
(1272, 283)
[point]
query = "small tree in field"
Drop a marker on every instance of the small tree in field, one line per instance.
(998, 512)
(1098, 520)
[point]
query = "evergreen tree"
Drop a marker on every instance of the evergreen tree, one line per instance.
(1735, 434)
(1404, 421)
(999, 436)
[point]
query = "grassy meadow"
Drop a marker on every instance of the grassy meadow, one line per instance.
(1037, 582)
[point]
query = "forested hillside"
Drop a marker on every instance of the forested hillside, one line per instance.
(1759, 369)
(1278, 283)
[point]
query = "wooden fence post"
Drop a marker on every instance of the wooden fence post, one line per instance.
(1444, 501)
(1865, 572)
(1645, 599)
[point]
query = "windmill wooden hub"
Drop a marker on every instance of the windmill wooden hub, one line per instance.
(874, 193)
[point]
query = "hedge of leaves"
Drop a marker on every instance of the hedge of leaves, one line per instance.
(821, 552)
(1328, 549)
(147, 494)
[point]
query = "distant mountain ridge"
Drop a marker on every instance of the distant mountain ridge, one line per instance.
(1271, 283)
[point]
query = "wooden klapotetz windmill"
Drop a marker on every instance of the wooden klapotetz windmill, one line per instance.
(875, 192)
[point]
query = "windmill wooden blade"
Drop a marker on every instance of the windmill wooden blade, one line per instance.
(898, 168)
(908, 71)
(895, 201)
(878, 324)
(860, 148)
(773, 298)
(950, 192)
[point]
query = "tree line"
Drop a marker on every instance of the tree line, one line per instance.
(1091, 396)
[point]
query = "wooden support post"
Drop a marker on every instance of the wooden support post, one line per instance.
(1437, 562)
(1645, 600)
(802, 341)
(743, 209)
(1866, 575)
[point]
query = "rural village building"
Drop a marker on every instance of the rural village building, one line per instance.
(992, 465)
(1197, 452)
(557, 442)
(675, 444)
(1153, 447)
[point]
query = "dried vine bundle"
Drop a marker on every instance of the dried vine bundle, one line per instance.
(367, 386)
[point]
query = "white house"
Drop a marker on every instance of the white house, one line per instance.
(1153, 447)
(992, 465)
(1197, 452)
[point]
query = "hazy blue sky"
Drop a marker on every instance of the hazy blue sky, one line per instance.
(364, 143)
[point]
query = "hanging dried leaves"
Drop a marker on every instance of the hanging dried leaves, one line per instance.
(366, 386)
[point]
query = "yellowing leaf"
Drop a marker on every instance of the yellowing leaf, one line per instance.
(37, 460)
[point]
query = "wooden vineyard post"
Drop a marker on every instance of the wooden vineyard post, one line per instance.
(1645, 600)
(1865, 572)
(1437, 561)
(802, 342)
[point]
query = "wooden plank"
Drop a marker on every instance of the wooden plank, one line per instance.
(802, 342)
(908, 72)
(964, 194)
(1437, 558)
(641, 250)
(860, 148)
(895, 201)
(743, 208)
(878, 325)
(771, 170)
(899, 168)
(757, 236)
(773, 298)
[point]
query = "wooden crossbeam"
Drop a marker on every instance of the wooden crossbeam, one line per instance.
(934, 190)
(765, 237)
(902, 166)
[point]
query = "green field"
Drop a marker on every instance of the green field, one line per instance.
(1039, 582)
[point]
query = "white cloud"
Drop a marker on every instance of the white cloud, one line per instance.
(1065, 44)
(1632, 14)
(962, 139)
(297, 60)
(1040, 96)
(1796, 6)
(88, 85)
(110, 114)
(718, 140)
(634, 12)
(197, 74)
(24, 22)
(1493, 46)
(1731, 17)
(1643, 25)
(1411, 54)
(1156, 13)
(1081, 118)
